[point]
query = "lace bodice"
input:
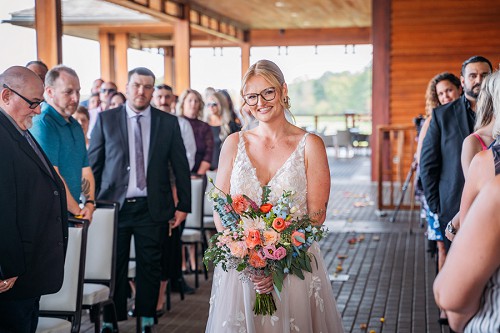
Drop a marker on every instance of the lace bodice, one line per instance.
(291, 176)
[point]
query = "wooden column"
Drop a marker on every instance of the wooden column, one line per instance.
(182, 44)
(245, 58)
(107, 61)
(381, 39)
(168, 66)
(48, 24)
(121, 60)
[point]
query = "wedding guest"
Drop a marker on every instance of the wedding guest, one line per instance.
(468, 286)
(106, 89)
(93, 102)
(39, 68)
(34, 230)
(94, 90)
(82, 116)
(116, 99)
(218, 116)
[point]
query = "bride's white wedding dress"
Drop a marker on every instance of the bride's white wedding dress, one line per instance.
(306, 306)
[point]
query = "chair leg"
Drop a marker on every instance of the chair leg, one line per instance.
(196, 280)
(95, 312)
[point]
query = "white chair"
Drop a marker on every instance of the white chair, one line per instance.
(62, 311)
(194, 231)
(343, 139)
(100, 267)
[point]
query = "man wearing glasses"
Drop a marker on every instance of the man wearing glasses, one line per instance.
(62, 139)
(106, 90)
(33, 220)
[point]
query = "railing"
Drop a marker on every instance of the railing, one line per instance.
(395, 149)
(332, 123)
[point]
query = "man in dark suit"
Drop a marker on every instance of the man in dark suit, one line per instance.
(130, 150)
(33, 220)
(440, 164)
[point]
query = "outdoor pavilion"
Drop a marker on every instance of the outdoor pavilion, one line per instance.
(412, 40)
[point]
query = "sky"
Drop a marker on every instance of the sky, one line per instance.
(219, 68)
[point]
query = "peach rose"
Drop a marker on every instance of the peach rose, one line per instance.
(265, 208)
(238, 249)
(279, 224)
(256, 260)
(298, 242)
(270, 237)
(240, 204)
(253, 238)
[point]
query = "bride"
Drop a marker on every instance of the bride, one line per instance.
(285, 157)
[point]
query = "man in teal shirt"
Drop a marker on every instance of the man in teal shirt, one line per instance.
(63, 141)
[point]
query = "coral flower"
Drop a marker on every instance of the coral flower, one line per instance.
(253, 238)
(240, 204)
(279, 224)
(256, 260)
(265, 208)
(298, 238)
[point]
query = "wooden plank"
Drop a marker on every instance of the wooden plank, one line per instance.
(107, 62)
(182, 39)
(121, 61)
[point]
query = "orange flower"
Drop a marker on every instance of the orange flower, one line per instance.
(256, 260)
(253, 238)
(240, 204)
(296, 241)
(265, 208)
(279, 224)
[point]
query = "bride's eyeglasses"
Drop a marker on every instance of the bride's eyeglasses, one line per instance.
(267, 94)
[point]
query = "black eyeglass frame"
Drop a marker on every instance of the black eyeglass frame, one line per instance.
(245, 97)
(32, 105)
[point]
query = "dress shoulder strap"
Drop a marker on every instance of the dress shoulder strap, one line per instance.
(478, 137)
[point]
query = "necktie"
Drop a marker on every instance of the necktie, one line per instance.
(37, 151)
(140, 174)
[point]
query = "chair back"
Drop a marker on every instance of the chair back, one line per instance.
(67, 302)
(208, 206)
(101, 244)
(194, 220)
(343, 138)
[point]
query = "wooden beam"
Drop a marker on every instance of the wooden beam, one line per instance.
(152, 9)
(48, 25)
(320, 36)
(245, 58)
(121, 60)
(107, 61)
(182, 41)
(381, 73)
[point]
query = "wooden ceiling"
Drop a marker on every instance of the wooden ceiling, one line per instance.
(292, 14)
(149, 23)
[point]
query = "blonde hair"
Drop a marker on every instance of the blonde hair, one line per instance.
(224, 114)
(180, 103)
(494, 87)
(271, 73)
(484, 104)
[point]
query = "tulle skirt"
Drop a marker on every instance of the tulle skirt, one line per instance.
(303, 306)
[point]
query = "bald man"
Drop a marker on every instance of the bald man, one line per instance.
(39, 68)
(33, 222)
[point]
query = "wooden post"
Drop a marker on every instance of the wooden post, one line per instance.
(48, 24)
(121, 60)
(107, 62)
(182, 44)
(168, 66)
(245, 58)
(381, 39)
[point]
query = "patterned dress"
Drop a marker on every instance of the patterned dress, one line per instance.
(304, 305)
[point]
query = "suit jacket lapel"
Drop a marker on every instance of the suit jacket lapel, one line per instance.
(122, 121)
(460, 112)
(155, 124)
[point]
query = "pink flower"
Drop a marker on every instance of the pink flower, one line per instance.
(268, 251)
(238, 249)
(280, 253)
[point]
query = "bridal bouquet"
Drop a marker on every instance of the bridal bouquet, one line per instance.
(263, 239)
